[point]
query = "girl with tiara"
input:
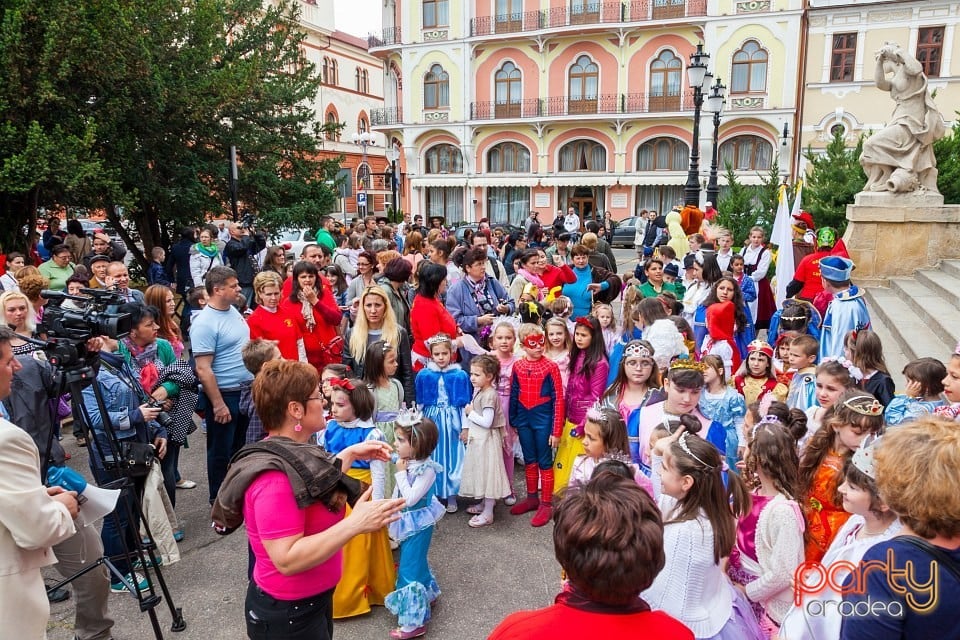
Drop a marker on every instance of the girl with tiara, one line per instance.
(855, 415)
(368, 572)
(604, 438)
(416, 587)
(721, 402)
(769, 545)
(443, 389)
(380, 365)
(760, 378)
(608, 324)
(588, 378)
(636, 385)
(699, 531)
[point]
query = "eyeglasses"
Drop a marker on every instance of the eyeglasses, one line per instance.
(314, 398)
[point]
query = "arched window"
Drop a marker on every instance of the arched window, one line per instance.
(333, 133)
(444, 158)
(663, 154)
(507, 91)
(508, 157)
(362, 79)
(665, 75)
(325, 76)
(362, 125)
(363, 175)
(584, 78)
(436, 88)
(330, 71)
(435, 14)
(747, 153)
(583, 155)
(749, 68)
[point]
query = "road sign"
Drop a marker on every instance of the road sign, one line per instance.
(361, 199)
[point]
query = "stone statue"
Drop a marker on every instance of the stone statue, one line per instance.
(899, 158)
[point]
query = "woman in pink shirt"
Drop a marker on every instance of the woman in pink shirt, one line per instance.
(297, 536)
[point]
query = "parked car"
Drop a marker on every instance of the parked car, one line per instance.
(459, 231)
(625, 231)
(296, 238)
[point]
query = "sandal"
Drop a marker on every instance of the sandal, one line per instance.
(480, 520)
(475, 509)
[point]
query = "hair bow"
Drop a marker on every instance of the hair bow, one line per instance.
(584, 321)
(342, 383)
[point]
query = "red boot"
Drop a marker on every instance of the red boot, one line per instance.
(525, 506)
(543, 515)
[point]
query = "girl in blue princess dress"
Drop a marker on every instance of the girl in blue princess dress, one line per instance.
(416, 588)
(722, 403)
(443, 389)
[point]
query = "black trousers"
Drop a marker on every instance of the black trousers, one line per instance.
(271, 619)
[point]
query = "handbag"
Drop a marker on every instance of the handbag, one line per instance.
(136, 458)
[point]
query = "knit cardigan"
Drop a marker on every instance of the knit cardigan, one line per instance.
(779, 544)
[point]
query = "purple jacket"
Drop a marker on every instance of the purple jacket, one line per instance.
(584, 389)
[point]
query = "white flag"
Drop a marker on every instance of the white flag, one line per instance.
(782, 236)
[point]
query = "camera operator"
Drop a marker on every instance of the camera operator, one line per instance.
(104, 246)
(133, 421)
(241, 251)
(170, 382)
(33, 387)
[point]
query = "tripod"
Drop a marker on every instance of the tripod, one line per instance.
(75, 377)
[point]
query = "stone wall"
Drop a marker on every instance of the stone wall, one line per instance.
(895, 235)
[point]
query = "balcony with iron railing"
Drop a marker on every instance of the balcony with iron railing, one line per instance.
(588, 14)
(386, 117)
(388, 37)
(605, 104)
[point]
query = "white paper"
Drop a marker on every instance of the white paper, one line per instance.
(96, 503)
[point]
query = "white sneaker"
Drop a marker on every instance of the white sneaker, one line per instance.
(186, 484)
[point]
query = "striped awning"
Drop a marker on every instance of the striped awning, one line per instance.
(504, 181)
(653, 178)
(458, 180)
(579, 181)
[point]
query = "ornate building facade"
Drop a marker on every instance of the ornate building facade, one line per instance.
(505, 106)
(351, 90)
(842, 38)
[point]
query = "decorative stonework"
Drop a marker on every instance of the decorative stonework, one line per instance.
(840, 90)
(896, 15)
(753, 6)
(436, 116)
(434, 35)
(747, 102)
(818, 21)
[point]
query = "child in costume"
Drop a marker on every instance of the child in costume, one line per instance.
(802, 355)
(636, 384)
(759, 378)
(683, 385)
(380, 365)
(924, 392)
(855, 415)
(797, 316)
(483, 474)
(871, 521)
(770, 536)
(558, 346)
(721, 403)
(416, 588)
(588, 379)
(660, 332)
(443, 389)
(504, 341)
(536, 412)
(604, 438)
(847, 311)
(368, 572)
(726, 289)
(698, 533)
(834, 377)
(865, 350)
(719, 341)
(608, 324)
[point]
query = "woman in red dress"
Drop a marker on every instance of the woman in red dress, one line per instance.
(554, 275)
(428, 316)
(313, 307)
(269, 321)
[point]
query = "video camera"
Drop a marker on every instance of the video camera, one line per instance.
(70, 321)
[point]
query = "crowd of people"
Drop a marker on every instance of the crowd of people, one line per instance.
(706, 457)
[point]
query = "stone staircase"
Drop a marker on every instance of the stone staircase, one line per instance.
(917, 317)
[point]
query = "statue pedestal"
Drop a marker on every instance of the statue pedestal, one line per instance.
(891, 235)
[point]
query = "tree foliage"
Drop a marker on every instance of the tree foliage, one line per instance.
(736, 210)
(131, 106)
(947, 152)
(833, 179)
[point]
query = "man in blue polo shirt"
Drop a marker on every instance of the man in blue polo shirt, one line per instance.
(217, 336)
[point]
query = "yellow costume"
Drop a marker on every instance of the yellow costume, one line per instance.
(567, 451)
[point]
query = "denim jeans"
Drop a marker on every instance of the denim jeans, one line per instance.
(223, 440)
(169, 468)
(271, 619)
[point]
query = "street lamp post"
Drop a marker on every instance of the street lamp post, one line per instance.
(364, 138)
(698, 78)
(393, 154)
(715, 104)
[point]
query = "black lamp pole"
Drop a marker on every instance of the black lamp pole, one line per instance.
(697, 73)
(715, 105)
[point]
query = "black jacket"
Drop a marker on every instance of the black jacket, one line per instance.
(241, 253)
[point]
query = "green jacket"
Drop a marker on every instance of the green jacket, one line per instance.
(324, 238)
(166, 355)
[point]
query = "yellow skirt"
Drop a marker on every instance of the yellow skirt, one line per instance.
(570, 447)
(369, 573)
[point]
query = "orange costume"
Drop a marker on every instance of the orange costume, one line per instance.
(823, 515)
(691, 219)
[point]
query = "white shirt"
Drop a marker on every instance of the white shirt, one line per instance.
(571, 223)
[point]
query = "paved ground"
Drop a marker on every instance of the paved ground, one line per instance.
(484, 574)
